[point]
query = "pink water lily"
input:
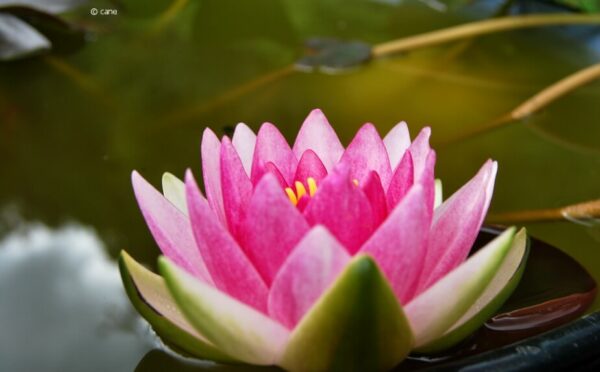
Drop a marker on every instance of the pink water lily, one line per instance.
(316, 256)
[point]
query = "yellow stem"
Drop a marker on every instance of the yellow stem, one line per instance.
(555, 91)
(472, 29)
(538, 101)
(579, 211)
(84, 81)
(238, 91)
(169, 14)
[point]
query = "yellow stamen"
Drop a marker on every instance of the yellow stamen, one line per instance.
(290, 193)
(355, 182)
(312, 186)
(300, 189)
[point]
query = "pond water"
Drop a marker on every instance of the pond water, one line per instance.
(140, 92)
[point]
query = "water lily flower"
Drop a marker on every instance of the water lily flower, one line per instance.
(318, 257)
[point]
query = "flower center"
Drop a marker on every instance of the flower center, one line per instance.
(300, 190)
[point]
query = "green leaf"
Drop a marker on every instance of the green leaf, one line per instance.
(497, 292)
(232, 326)
(174, 191)
(588, 6)
(150, 297)
(357, 325)
(436, 310)
(331, 55)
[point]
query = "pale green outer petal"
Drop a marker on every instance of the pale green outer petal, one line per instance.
(434, 311)
(357, 325)
(439, 196)
(236, 328)
(174, 191)
(497, 292)
(149, 295)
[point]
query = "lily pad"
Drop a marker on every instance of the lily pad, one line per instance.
(542, 301)
(331, 55)
(573, 347)
(149, 295)
(357, 325)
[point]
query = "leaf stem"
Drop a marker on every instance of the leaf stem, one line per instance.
(581, 212)
(197, 109)
(539, 100)
(480, 28)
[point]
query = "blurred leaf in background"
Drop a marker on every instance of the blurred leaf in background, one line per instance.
(589, 6)
(32, 27)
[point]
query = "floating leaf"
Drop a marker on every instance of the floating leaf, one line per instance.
(332, 55)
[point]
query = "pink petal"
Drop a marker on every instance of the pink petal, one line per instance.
(244, 141)
(308, 271)
(310, 166)
(427, 179)
(272, 169)
(456, 224)
(396, 142)
(317, 134)
(419, 149)
(374, 192)
(211, 170)
(343, 208)
(303, 203)
(236, 186)
(367, 153)
(170, 228)
(273, 226)
(272, 147)
(402, 180)
(399, 244)
(229, 267)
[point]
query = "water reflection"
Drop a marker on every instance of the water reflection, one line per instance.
(62, 306)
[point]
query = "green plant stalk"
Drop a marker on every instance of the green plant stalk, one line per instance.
(478, 28)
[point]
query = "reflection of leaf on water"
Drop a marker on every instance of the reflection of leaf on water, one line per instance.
(31, 27)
